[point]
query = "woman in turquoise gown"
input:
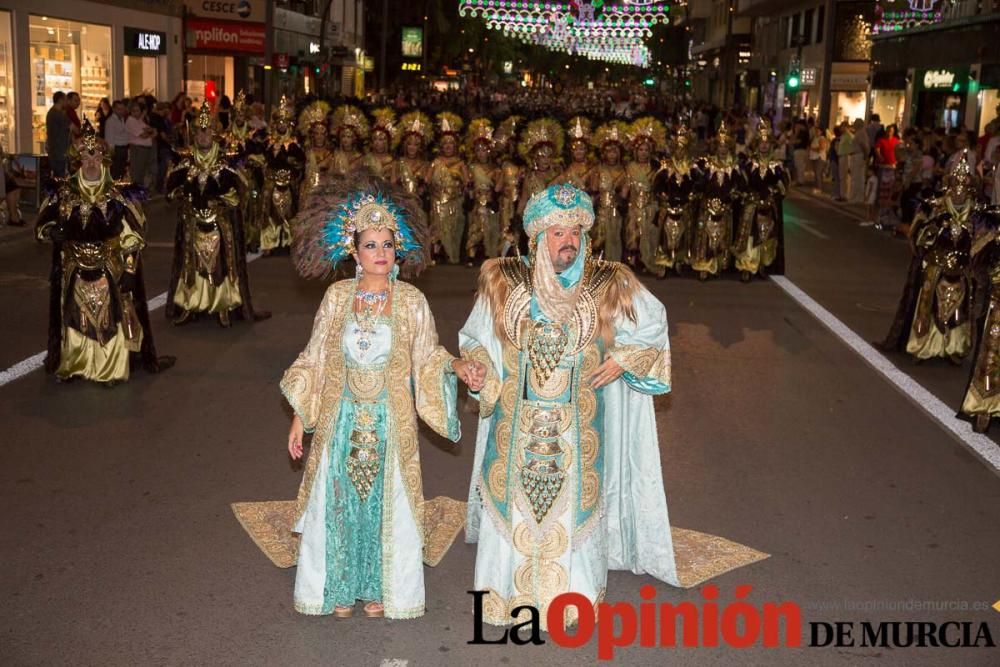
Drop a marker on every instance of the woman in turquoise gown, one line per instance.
(360, 506)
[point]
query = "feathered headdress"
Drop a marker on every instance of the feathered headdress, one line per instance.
(339, 209)
(650, 130)
(578, 130)
(350, 116)
(539, 134)
(448, 123)
(609, 133)
(480, 131)
(284, 112)
(385, 122)
(314, 114)
(507, 131)
(416, 123)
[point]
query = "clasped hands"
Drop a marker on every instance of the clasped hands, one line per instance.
(472, 373)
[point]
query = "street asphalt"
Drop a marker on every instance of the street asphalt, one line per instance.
(119, 546)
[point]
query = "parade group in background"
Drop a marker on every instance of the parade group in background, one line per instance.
(563, 351)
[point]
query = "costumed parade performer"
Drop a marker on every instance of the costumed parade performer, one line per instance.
(759, 238)
(209, 272)
(577, 173)
(245, 146)
(933, 318)
(675, 187)
(648, 138)
(350, 127)
(371, 367)
(566, 477)
(284, 168)
(384, 141)
(98, 317)
(509, 188)
(446, 178)
(410, 170)
(714, 227)
(319, 155)
(483, 237)
(607, 181)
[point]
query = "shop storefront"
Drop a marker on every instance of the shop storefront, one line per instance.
(989, 96)
(848, 92)
(888, 97)
(7, 88)
(224, 49)
(48, 46)
(945, 66)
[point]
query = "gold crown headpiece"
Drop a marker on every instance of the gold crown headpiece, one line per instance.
(205, 120)
(609, 133)
(352, 117)
(240, 104)
(579, 130)
(541, 133)
(314, 114)
(448, 123)
(480, 131)
(89, 141)
(385, 122)
(418, 124)
(650, 130)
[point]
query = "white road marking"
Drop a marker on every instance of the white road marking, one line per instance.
(988, 450)
(36, 361)
(806, 226)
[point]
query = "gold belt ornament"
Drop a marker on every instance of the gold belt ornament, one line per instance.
(364, 461)
(90, 255)
(366, 384)
(542, 475)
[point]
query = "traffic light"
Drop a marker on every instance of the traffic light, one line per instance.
(794, 77)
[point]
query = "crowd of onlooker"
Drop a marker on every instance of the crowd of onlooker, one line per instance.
(142, 132)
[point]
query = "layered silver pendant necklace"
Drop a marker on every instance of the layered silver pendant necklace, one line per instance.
(367, 317)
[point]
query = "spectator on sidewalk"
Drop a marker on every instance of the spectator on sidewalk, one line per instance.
(140, 139)
(116, 134)
(57, 134)
(818, 147)
(159, 120)
(873, 129)
(102, 115)
(860, 148)
(885, 147)
(833, 160)
(871, 194)
(75, 125)
(845, 145)
(800, 151)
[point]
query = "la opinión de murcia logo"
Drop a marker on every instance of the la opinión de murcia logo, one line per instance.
(736, 624)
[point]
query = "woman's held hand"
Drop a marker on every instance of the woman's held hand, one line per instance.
(295, 434)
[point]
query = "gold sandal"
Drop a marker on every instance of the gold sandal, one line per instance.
(371, 612)
(343, 612)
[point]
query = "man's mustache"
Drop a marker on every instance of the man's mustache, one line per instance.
(568, 247)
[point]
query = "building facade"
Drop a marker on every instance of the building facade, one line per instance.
(99, 49)
(719, 49)
(936, 64)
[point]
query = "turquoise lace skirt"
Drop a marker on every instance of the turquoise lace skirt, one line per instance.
(354, 505)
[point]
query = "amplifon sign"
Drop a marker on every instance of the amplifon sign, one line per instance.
(211, 35)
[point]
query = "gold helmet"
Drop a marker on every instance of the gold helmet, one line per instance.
(680, 140)
(385, 123)
(284, 113)
(961, 178)
(205, 120)
(348, 116)
(723, 137)
(240, 103)
(89, 142)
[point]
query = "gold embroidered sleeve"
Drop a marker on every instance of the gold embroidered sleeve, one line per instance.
(435, 384)
(302, 383)
(490, 393)
(636, 359)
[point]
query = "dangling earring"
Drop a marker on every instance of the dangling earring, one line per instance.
(358, 271)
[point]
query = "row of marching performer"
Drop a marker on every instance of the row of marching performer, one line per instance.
(950, 307)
